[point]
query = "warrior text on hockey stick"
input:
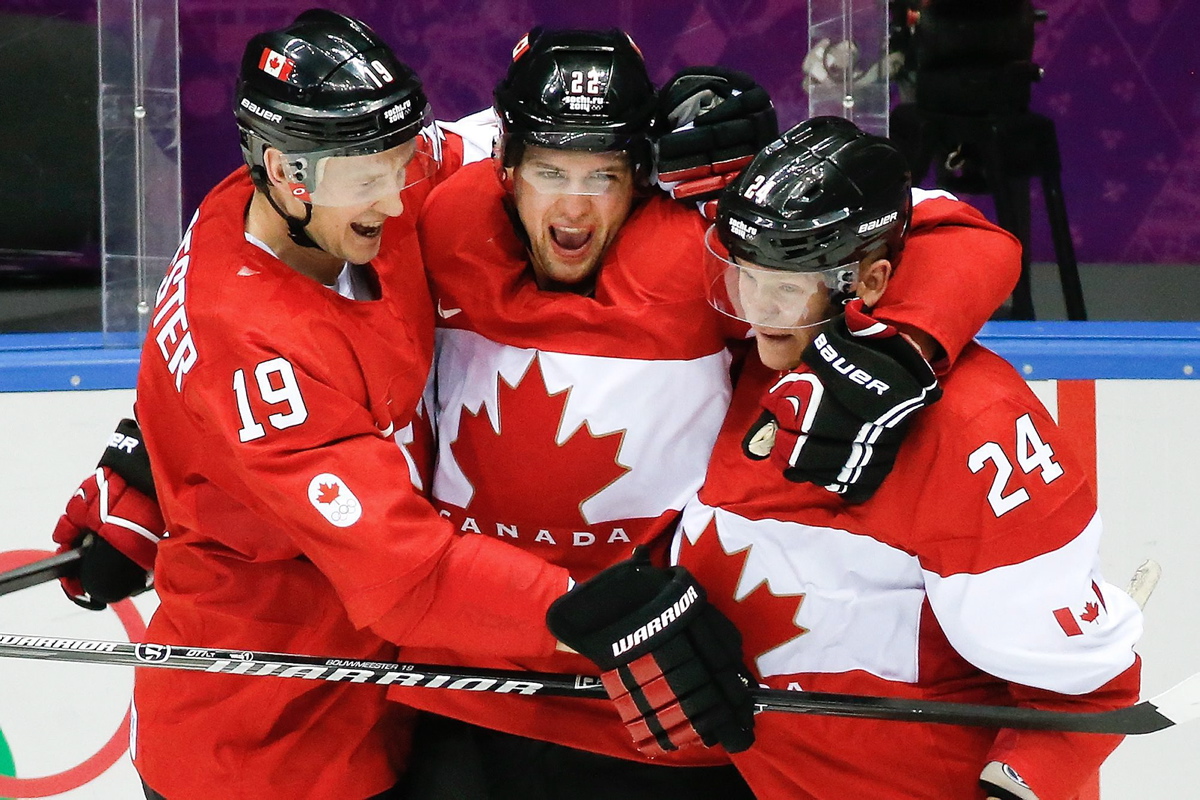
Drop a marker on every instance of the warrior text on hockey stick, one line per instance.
(1175, 706)
(47, 569)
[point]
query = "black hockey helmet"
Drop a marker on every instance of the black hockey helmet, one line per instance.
(576, 90)
(823, 195)
(324, 86)
(793, 227)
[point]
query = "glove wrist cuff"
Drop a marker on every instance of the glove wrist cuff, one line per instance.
(635, 631)
(669, 614)
(126, 455)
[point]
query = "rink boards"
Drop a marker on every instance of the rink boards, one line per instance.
(1126, 392)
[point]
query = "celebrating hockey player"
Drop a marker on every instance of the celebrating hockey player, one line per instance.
(285, 358)
(970, 575)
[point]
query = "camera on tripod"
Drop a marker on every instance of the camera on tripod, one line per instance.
(966, 56)
(965, 82)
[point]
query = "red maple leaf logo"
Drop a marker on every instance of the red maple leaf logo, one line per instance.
(1090, 612)
(327, 492)
(774, 615)
(522, 469)
(275, 62)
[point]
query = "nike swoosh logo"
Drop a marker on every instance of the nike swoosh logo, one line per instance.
(447, 313)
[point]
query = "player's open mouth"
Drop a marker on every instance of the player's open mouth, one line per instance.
(367, 231)
(571, 241)
(772, 337)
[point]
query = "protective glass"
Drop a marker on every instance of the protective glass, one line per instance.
(328, 180)
(773, 298)
(560, 179)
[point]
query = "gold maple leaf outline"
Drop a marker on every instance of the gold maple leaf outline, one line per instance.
(585, 425)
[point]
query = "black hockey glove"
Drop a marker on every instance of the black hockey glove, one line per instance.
(672, 663)
(839, 419)
(712, 121)
(114, 520)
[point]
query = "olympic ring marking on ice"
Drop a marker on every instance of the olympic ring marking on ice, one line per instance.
(7, 767)
(97, 764)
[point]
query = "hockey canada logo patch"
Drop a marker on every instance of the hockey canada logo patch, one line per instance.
(330, 495)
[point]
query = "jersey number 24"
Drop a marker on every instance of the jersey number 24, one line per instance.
(1032, 454)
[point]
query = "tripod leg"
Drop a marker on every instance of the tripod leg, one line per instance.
(1011, 195)
(914, 137)
(1018, 189)
(1064, 249)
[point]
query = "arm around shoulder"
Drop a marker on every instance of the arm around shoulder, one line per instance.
(956, 270)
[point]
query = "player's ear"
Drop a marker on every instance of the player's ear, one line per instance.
(273, 161)
(873, 278)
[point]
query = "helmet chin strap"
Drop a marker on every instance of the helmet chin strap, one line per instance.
(296, 227)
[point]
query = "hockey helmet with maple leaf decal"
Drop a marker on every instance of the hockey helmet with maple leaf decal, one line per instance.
(329, 94)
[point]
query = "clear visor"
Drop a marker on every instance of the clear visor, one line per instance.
(357, 180)
(557, 179)
(773, 298)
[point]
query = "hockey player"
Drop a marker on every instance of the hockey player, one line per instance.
(285, 358)
(970, 575)
(581, 374)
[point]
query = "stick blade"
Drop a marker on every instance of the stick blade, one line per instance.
(1143, 581)
(1180, 703)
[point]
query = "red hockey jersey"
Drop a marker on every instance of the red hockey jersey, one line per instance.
(578, 427)
(270, 407)
(972, 575)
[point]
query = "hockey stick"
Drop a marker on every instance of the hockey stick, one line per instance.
(1173, 707)
(63, 565)
(1144, 579)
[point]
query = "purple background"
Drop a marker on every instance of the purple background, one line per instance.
(1121, 83)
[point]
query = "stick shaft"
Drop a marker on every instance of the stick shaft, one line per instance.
(1142, 718)
(285, 665)
(47, 569)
